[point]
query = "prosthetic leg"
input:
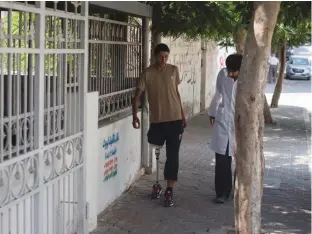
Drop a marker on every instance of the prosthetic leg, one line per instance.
(157, 190)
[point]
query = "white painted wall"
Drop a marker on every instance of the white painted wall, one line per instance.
(126, 157)
(91, 136)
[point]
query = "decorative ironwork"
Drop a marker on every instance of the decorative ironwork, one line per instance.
(115, 103)
(18, 179)
(42, 67)
(62, 158)
(115, 62)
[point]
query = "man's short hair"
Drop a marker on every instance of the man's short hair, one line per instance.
(161, 48)
(233, 62)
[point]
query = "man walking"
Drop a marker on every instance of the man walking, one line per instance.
(160, 82)
(273, 63)
(222, 113)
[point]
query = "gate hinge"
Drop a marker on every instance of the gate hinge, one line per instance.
(87, 210)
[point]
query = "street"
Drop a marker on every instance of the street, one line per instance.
(286, 206)
(295, 92)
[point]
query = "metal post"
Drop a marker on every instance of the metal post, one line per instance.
(145, 150)
(39, 114)
(83, 206)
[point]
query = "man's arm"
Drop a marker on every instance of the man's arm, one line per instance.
(136, 101)
(182, 112)
(140, 87)
(179, 96)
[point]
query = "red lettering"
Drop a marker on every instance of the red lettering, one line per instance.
(221, 60)
(109, 163)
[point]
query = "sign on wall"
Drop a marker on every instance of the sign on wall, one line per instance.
(110, 146)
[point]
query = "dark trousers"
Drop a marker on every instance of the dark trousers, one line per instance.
(171, 133)
(272, 73)
(223, 174)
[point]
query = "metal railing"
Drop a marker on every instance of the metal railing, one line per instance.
(17, 77)
(42, 71)
(115, 62)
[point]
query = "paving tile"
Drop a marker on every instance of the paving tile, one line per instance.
(286, 205)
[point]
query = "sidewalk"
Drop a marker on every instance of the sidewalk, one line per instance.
(287, 186)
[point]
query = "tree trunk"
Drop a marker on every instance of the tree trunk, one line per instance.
(267, 112)
(249, 118)
(239, 40)
(279, 83)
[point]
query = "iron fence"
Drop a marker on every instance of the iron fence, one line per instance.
(42, 62)
(115, 62)
(17, 72)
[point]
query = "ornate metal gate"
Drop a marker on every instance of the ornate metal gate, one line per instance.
(43, 69)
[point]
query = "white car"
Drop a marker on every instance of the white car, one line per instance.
(298, 67)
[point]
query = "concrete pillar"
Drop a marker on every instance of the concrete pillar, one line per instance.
(145, 150)
(204, 56)
(92, 148)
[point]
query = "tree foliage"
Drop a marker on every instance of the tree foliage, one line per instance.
(220, 21)
(294, 24)
(191, 19)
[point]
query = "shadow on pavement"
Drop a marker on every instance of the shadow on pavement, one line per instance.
(287, 185)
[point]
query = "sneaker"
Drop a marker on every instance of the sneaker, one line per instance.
(228, 198)
(220, 200)
(168, 198)
(156, 192)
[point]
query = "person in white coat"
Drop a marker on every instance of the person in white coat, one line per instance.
(221, 113)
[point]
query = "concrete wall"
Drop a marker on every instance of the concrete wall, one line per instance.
(113, 158)
(213, 60)
(187, 56)
(199, 64)
(119, 163)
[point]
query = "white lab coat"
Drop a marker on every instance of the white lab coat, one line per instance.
(222, 107)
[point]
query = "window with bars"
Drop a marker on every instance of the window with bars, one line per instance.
(115, 60)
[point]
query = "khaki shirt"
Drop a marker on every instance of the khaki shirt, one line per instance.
(162, 95)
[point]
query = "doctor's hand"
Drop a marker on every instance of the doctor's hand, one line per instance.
(212, 120)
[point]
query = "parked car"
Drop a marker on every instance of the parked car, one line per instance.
(289, 52)
(298, 67)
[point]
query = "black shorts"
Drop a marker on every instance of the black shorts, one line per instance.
(171, 133)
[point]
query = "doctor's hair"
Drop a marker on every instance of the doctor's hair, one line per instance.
(161, 48)
(233, 62)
